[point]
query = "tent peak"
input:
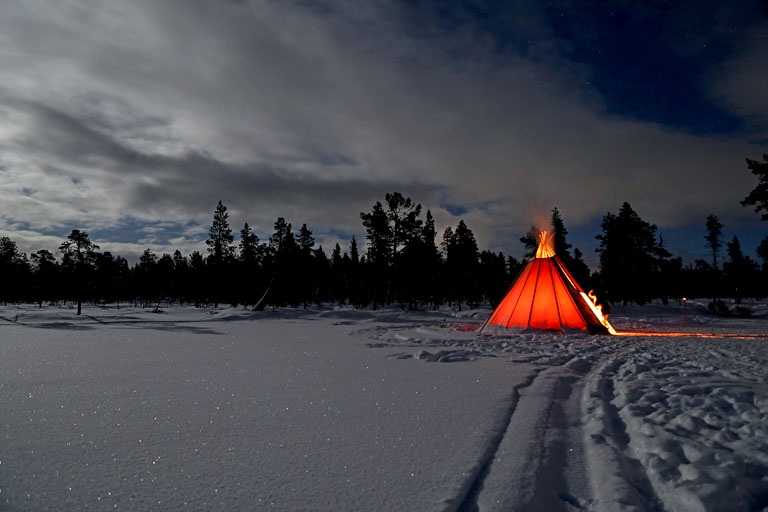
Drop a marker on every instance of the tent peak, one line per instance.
(545, 296)
(546, 247)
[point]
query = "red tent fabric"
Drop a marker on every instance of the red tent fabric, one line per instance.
(545, 296)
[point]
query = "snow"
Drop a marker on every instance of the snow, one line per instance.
(344, 409)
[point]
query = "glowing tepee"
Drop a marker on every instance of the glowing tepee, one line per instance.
(545, 296)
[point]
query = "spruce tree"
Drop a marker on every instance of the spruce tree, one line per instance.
(531, 242)
(759, 196)
(198, 273)
(14, 271)
(336, 256)
(353, 252)
(249, 246)
(146, 273)
(562, 247)
(283, 255)
(762, 251)
(305, 241)
(354, 274)
(430, 262)
(46, 274)
(319, 278)
(378, 235)
(628, 256)
(492, 276)
(282, 242)
(714, 236)
(513, 268)
(165, 282)
(418, 266)
(251, 255)
(740, 270)
(220, 239)
(445, 244)
(307, 269)
(378, 251)
(461, 262)
(180, 276)
(579, 269)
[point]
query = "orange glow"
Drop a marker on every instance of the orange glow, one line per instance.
(692, 335)
(545, 296)
(597, 309)
(546, 247)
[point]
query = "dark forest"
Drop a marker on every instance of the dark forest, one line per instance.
(406, 263)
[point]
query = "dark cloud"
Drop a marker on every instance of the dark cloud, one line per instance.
(153, 186)
(154, 111)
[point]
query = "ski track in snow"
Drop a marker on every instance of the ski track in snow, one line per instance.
(587, 423)
(665, 424)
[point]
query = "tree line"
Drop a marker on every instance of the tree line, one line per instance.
(404, 263)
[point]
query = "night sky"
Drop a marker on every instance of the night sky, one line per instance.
(132, 119)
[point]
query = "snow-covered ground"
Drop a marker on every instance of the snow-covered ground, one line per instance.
(347, 410)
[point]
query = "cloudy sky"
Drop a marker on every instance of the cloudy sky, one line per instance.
(131, 119)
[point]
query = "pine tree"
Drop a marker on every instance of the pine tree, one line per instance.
(492, 276)
(249, 246)
(282, 242)
(378, 251)
(354, 274)
(404, 223)
(251, 258)
(147, 276)
(353, 253)
(319, 277)
(531, 242)
(147, 260)
(513, 268)
(180, 276)
(579, 269)
(338, 278)
(741, 271)
(389, 232)
(220, 239)
(283, 254)
(418, 267)
(428, 232)
(164, 271)
(80, 252)
(759, 196)
(336, 256)
(461, 262)
(307, 269)
(445, 244)
(46, 274)
(8, 250)
(305, 241)
(713, 237)
(198, 273)
(628, 256)
(179, 261)
(14, 271)
(430, 262)
(378, 235)
(562, 247)
(762, 251)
